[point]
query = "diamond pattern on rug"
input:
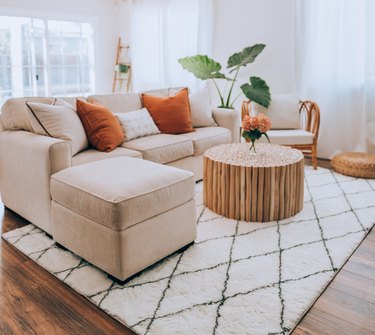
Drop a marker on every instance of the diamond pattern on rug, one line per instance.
(239, 277)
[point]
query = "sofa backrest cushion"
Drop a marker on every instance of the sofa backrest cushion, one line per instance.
(118, 103)
(60, 120)
(102, 128)
(128, 102)
(15, 115)
(201, 111)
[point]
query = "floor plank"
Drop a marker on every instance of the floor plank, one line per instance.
(321, 323)
(361, 265)
(342, 305)
(355, 285)
(366, 251)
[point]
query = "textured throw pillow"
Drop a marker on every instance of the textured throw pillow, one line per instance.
(201, 111)
(103, 130)
(137, 124)
(60, 120)
(170, 114)
(283, 111)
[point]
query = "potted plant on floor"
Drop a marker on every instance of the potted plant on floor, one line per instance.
(206, 68)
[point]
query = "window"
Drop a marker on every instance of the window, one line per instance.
(40, 57)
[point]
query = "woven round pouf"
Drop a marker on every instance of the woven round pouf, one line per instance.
(355, 164)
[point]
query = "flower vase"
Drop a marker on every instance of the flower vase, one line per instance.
(251, 147)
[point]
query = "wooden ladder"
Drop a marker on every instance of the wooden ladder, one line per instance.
(123, 69)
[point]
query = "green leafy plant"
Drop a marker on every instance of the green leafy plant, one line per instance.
(206, 68)
(122, 68)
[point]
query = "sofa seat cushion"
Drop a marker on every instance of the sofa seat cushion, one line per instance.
(162, 148)
(208, 137)
(92, 155)
(289, 137)
(123, 191)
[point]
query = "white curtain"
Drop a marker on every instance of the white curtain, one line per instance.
(336, 68)
(162, 31)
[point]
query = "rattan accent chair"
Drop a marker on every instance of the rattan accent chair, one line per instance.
(310, 123)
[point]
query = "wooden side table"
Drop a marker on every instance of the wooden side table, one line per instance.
(263, 187)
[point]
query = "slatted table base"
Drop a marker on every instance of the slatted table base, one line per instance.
(258, 194)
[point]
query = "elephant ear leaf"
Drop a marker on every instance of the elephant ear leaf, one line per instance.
(257, 91)
(202, 67)
(244, 57)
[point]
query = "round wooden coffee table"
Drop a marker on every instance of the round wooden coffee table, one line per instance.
(263, 187)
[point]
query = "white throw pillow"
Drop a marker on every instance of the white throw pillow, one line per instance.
(137, 124)
(60, 120)
(201, 110)
(283, 111)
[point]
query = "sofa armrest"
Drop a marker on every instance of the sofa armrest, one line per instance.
(27, 162)
(230, 119)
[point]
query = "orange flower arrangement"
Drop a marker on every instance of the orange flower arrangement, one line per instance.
(254, 127)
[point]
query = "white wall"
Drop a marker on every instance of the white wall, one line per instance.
(241, 23)
(105, 27)
(123, 23)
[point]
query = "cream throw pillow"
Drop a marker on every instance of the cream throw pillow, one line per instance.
(283, 111)
(201, 110)
(137, 124)
(200, 107)
(60, 120)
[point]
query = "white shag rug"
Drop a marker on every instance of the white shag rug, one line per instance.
(238, 277)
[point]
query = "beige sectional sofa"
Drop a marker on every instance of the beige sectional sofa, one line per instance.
(28, 160)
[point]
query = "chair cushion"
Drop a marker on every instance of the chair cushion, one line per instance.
(162, 148)
(102, 128)
(205, 138)
(120, 192)
(283, 111)
(171, 114)
(289, 137)
(92, 155)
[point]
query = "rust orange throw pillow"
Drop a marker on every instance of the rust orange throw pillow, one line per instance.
(102, 129)
(170, 114)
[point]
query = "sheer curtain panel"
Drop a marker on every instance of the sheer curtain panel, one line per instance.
(336, 68)
(162, 31)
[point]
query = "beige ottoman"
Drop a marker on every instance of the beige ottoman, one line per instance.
(123, 214)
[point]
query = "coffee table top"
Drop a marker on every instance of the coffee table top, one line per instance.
(267, 155)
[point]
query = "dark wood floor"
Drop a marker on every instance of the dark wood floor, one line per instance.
(32, 301)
